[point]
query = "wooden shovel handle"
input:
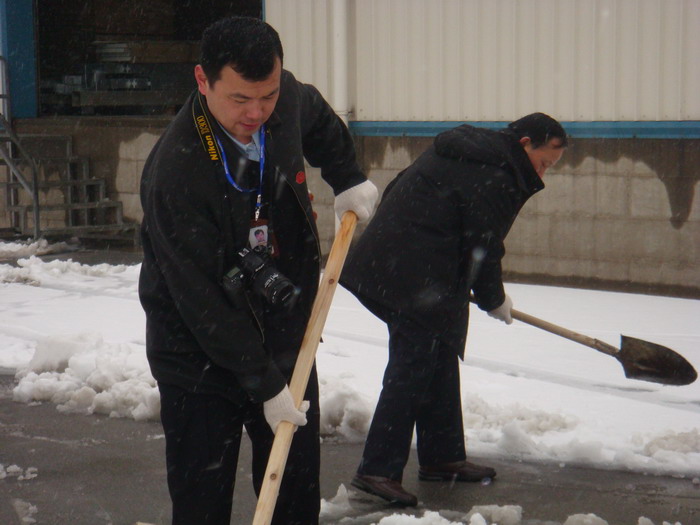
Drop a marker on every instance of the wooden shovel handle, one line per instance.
(302, 370)
(564, 332)
(561, 331)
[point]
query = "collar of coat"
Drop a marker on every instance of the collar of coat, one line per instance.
(209, 128)
(495, 148)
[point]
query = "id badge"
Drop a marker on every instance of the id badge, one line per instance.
(261, 234)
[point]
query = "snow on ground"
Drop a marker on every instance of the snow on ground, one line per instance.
(75, 336)
(26, 249)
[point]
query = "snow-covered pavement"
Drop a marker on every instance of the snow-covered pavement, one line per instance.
(75, 335)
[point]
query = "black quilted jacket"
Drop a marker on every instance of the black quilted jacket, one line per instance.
(438, 232)
(194, 224)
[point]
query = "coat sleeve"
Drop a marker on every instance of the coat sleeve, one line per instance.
(487, 214)
(326, 141)
(186, 239)
(488, 286)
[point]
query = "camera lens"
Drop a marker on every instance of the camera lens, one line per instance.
(277, 290)
(282, 293)
(264, 279)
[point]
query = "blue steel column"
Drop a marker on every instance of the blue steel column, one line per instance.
(17, 37)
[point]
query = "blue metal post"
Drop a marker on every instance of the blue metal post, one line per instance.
(17, 37)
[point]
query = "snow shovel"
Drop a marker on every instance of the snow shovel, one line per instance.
(640, 359)
(285, 430)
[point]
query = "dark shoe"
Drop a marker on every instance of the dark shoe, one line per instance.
(457, 471)
(386, 488)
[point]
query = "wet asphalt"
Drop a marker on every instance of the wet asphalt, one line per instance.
(95, 470)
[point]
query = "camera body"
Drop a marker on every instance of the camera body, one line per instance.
(256, 273)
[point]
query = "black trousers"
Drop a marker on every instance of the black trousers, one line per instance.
(420, 388)
(202, 438)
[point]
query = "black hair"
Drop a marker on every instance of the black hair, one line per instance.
(540, 128)
(249, 45)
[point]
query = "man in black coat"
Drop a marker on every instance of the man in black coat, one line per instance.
(437, 236)
(225, 314)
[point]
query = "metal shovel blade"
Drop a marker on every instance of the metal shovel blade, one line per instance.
(651, 362)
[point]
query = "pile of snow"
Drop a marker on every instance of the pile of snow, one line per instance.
(84, 374)
(76, 337)
(15, 471)
(340, 509)
(13, 250)
(75, 334)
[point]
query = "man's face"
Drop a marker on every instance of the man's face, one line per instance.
(240, 106)
(545, 156)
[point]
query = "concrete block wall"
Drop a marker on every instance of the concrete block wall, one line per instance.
(117, 148)
(619, 213)
(619, 210)
(381, 159)
(133, 153)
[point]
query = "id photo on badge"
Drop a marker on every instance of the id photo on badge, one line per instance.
(258, 236)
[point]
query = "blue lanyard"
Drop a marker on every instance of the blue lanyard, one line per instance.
(258, 201)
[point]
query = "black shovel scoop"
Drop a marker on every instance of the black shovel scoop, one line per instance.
(640, 359)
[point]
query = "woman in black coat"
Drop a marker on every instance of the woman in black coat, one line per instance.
(437, 236)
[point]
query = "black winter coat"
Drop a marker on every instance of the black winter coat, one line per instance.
(438, 232)
(195, 223)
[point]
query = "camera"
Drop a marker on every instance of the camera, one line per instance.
(256, 273)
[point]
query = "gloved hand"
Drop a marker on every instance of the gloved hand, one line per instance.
(281, 408)
(502, 313)
(359, 199)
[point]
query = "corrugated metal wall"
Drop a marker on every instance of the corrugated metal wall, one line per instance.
(305, 29)
(494, 60)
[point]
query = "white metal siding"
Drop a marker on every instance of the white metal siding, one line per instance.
(453, 60)
(303, 26)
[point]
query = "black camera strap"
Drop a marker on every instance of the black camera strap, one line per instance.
(217, 154)
(205, 129)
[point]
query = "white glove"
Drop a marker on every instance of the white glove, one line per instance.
(502, 313)
(281, 408)
(359, 199)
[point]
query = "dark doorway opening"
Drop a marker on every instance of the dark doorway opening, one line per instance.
(110, 57)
